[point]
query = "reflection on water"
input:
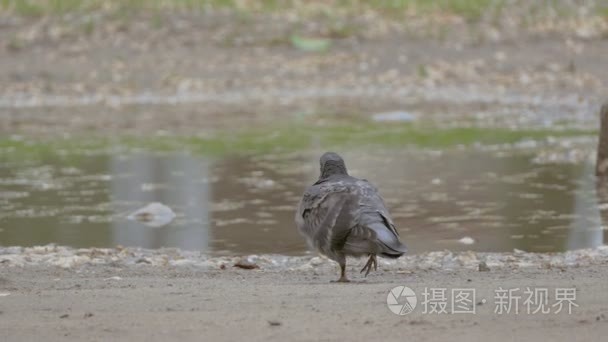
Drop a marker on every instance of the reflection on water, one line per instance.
(246, 204)
(586, 227)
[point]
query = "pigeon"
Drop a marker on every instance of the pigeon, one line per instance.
(341, 216)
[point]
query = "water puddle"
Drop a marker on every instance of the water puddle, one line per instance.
(245, 204)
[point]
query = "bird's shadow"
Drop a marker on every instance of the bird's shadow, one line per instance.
(351, 282)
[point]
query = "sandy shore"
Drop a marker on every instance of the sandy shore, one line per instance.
(59, 293)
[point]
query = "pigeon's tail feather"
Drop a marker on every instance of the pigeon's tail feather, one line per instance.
(388, 242)
(392, 253)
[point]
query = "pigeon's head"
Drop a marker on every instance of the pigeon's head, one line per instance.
(332, 164)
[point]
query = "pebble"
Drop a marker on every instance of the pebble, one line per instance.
(52, 255)
(483, 267)
(246, 264)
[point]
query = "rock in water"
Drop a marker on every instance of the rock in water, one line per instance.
(154, 215)
(467, 240)
(344, 216)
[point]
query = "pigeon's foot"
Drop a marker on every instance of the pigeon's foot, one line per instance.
(371, 262)
(341, 280)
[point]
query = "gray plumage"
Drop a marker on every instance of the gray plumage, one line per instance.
(344, 216)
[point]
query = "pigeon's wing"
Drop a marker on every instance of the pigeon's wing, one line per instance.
(326, 214)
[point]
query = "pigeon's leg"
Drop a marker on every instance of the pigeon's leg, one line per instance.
(371, 262)
(342, 261)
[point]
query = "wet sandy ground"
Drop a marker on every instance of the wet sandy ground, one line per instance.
(95, 303)
(136, 294)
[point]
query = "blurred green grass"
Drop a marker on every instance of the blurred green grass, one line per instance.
(283, 139)
(473, 11)
(467, 8)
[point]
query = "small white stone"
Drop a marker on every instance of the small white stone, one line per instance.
(467, 240)
(316, 261)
